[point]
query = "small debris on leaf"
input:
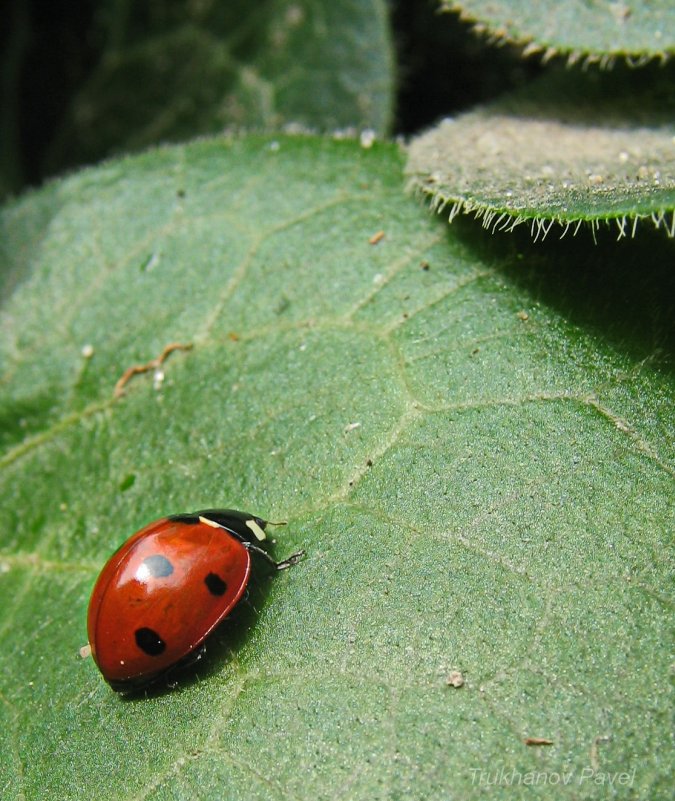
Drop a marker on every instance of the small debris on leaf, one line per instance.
(454, 679)
(153, 364)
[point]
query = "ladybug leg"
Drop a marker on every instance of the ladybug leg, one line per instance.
(293, 559)
(188, 660)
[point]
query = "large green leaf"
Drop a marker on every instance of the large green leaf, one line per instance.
(472, 439)
(597, 30)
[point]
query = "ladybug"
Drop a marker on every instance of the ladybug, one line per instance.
(166, 589)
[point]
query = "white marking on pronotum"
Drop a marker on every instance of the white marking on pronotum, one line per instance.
(257, 531)
(255, 528)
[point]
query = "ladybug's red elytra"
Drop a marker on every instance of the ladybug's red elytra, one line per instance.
(164, 591)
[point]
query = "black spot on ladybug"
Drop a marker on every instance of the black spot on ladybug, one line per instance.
(158, 566)
(215, 585)
(149, 642)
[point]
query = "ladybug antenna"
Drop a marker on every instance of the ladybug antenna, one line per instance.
(280, 523)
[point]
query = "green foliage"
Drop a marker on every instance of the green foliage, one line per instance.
(474, 447)
(471, 435)
(322, 65)
(166, 72)
(566, 148)
(598, 31)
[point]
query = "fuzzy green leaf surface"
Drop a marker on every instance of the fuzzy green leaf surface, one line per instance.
(472, 439)
(567, 148)
(638, 29)
(313, 63)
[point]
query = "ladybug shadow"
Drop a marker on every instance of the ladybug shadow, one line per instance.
(220, 647)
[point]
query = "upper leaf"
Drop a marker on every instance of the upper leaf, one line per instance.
(594, 31)
(567, 148)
